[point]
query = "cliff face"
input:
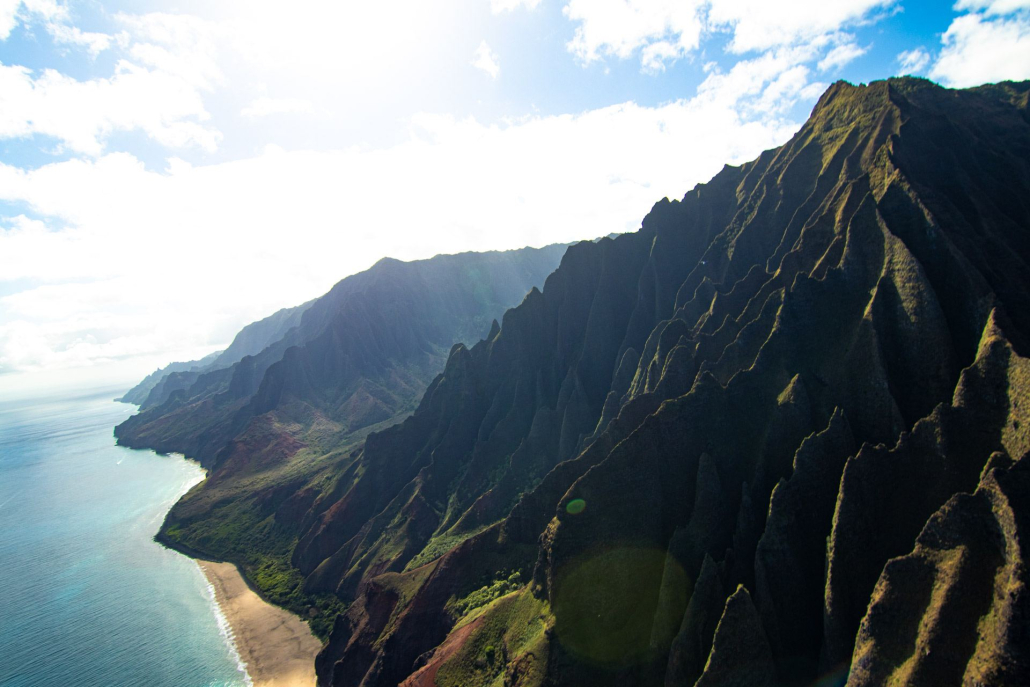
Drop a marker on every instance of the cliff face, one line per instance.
(777, 434)
(277, 424)
(362, 353)
(250, 341)
(138, 394)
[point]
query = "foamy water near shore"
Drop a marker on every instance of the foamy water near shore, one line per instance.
(89, 598)
(224, 628)
(276, 646)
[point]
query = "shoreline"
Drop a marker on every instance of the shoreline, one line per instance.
(276, 647)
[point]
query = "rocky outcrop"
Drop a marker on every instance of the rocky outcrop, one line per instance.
(956, 609)
(790, 560)
(689, 650)
(887, 495)
(740, 654)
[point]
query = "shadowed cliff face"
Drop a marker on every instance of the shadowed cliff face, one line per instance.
(251, 341)
(276, 427)
(777, 434)
(356, 357)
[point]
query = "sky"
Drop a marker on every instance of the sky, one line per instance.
(170, 171)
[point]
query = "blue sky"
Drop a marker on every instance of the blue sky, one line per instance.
(170, 171)
(539, 73)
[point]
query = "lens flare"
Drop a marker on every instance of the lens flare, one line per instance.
(610, 605)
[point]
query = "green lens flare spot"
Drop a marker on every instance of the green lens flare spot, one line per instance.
(576, 506)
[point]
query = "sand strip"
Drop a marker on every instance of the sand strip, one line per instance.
(276, 645)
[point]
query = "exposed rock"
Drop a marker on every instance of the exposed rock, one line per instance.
(818, 359)
(740, 655)
(791, 557)
(886, 495)
(956, 610)
(690, 649)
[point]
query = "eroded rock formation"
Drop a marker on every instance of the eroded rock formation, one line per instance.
(778, 434)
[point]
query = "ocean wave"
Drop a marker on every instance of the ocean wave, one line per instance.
(225, 630)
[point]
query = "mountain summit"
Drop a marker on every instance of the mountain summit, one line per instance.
(776, 436)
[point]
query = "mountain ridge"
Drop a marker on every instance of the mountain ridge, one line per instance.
(837, 292)
(779, 435)
(156, 388)
(281, 420)
(237, 375)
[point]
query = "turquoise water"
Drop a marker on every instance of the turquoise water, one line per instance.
(86, 596)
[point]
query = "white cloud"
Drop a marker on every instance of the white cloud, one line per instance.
(50, 10)
(327, 41)
(663, 31)
(155, 89)
(56, 20)
(781, 94)
(81, 114)
(764, 86)
(8, 17)
(179, 45)
(498, 6)
(841, 55)
(486, 59)
(72, 256)
(913, 61)
(993, 7)
(137, 277)
(264, 106)
(987, 46)
(761, 25)
(94, 43)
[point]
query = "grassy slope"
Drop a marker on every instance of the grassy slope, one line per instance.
(232, 516)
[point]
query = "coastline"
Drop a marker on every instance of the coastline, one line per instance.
(276, 646)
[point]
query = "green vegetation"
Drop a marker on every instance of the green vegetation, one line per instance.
(258, 555)
(488, 594)
(283, 585)
(438, 546)
(240, 529)
(508, 638)
(274, 447)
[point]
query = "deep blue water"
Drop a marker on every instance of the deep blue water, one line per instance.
(86, 596)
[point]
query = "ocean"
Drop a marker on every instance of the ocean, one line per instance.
(86, 596)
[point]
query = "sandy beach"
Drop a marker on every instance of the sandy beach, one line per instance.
(276, 645)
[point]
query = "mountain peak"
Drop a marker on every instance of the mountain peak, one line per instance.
(712, 398)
